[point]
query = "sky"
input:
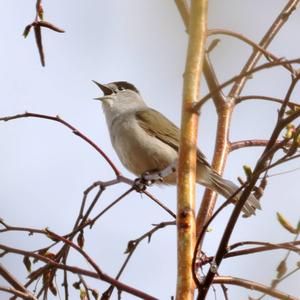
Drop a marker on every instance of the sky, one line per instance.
(45, 168)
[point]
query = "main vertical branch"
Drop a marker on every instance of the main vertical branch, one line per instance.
(222, 148)
(186, 230)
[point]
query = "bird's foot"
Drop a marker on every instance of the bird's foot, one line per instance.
(146, 179)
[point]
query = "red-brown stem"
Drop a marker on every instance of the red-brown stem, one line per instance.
(17, 293)
(264, 246)
(256, 46)
(68, 125)
(259, 168)
(252, 285)
(18, 286)
(222, 148)
(246, 74)
(247, 143)
(291, 104)
(265, 41)
(39, 43)
(77, 270)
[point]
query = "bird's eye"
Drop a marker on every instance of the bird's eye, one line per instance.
(121, 88)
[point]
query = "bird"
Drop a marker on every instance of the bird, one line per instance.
(146, 141)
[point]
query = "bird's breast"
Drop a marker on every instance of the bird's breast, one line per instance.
(138, 151)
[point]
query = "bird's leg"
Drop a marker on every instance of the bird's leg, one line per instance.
(141, 183)
(150, 177)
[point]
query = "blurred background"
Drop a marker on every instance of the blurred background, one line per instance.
(45, 168)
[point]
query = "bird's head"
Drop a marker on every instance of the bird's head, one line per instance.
(119, 95)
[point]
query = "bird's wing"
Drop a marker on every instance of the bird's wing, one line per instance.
(167, 132)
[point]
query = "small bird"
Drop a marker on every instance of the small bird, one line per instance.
(146, 141)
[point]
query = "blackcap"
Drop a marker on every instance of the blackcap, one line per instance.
(146, 141)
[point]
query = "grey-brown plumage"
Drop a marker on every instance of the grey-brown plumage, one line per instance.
(145, 140)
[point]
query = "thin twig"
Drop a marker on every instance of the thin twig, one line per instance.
(263, 248)
(246, 74)
(265, 41)
(14, 282)
(252, 285)
(131, 247)
(76, 270)
(68, 125)
(291, 105)
(259, 168)
(257, 47)
(247, 143)
(17, 293)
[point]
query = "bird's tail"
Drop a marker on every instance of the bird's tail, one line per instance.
(226, 188)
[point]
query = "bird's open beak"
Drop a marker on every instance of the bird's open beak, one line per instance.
(106, 91)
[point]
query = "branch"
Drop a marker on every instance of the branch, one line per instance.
(264, 246)
(265, 41)
(213, 83)
(252, 285)
(208, 70)
(131, 247)
(77, 270)
(291, 105)
(68, 125)
(256, 46)
(224, 115)
(160, 204)
(18, 287)
(246, 74)
(247, 143)
(187, 161)
(37, 24)
(17, 293)
(183, 9)
(259, 168)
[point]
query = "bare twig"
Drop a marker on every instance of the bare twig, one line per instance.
(252, 285)
(37, 24)
(18, 288)
(259, 168)
(131, 247)
(264, 246)
(265, 41)
(68, 125)
(291, 105)
(257, 47)
(17, 293)
(86, 288)
(76, 270)
(246, 74)
(247, 143)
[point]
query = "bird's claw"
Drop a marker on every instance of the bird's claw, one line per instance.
(141, 183)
